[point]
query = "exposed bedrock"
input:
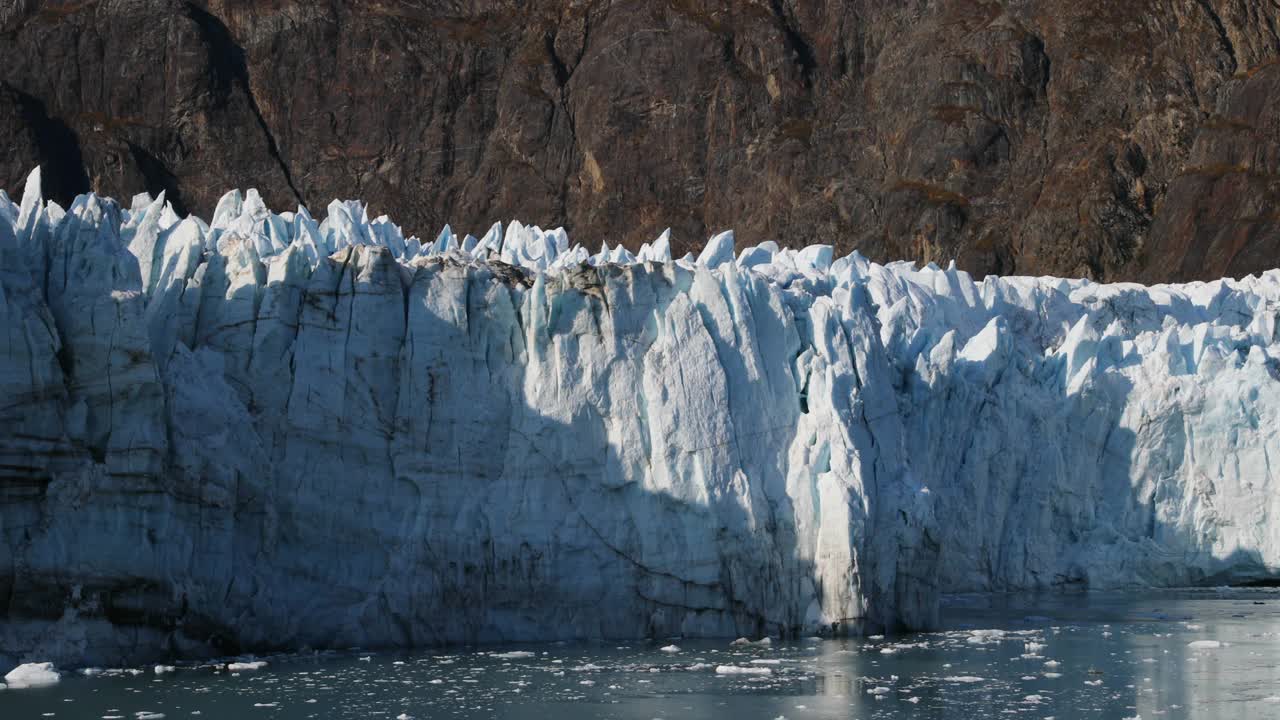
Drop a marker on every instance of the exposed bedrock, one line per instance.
(1135, 140)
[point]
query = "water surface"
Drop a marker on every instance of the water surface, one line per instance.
(1183, 654)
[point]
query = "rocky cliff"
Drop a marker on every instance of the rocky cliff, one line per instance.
(1134, 140)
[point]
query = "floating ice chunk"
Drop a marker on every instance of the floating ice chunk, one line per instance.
(670, 649)
(1204, 644)
(147, 715)
(982, 637)
(963, 679)
(32, 675)
(242, 666)
(880, 690)
(762, 642)
(740, 670)
(514, 655)
(162, 669)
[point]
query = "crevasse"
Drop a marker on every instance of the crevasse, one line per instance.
(273, 432)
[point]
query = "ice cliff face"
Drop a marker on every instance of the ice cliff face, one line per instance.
(270, 431)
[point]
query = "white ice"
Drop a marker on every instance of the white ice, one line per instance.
(338, 436)
(32, 675)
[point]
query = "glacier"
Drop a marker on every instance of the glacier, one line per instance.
(272, 432)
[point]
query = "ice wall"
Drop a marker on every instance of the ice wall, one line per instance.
(270, 431)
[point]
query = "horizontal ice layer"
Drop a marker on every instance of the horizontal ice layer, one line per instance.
(270, 431)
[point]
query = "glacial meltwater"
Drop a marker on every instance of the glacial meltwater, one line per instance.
(1212, 653)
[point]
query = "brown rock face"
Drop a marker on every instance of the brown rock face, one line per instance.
(1117, 140)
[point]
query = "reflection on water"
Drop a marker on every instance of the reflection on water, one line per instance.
(1186, 654)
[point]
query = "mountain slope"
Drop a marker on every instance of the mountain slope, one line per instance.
(1114, 141)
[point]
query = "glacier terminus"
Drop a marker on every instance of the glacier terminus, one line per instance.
(271, 432)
